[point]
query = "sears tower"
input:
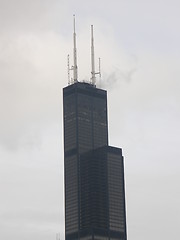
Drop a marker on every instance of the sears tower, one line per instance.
(93, 170)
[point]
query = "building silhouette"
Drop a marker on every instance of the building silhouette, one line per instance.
(93, 170)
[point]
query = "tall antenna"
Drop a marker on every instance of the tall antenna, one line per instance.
(75, 55)
(93, 72)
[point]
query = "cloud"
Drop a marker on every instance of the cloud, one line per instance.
(31, 16)
(140, 70)
(110, 81)
(30, 85)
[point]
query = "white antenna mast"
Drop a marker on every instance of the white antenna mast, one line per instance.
(75, 55)
(93, 72)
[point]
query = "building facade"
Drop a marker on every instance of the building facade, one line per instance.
(93, 171)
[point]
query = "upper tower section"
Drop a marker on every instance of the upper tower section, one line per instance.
(85, 117)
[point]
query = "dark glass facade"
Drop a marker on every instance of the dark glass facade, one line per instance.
(94, 171)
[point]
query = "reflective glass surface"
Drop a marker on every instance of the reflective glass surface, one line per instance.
(94, 172)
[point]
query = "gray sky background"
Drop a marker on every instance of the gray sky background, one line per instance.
(138, 42)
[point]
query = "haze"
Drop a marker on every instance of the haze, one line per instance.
(138, 42)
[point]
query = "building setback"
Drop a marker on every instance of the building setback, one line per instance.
(93, 170)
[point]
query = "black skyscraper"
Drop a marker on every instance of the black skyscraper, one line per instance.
(94, 171)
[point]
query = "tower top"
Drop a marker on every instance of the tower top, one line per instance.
(74, 67)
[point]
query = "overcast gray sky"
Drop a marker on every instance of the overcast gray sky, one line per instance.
(139, 44)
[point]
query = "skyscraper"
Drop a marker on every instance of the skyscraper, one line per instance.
(93, 170)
